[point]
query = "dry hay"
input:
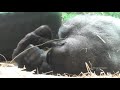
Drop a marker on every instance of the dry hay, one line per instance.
(8, 70)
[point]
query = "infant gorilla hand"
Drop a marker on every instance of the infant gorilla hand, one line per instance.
(31, 58)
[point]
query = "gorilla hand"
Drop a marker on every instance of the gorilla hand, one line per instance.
(33, 58)
(40, 35)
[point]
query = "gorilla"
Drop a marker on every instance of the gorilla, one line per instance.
(91, 39)
(15, 25)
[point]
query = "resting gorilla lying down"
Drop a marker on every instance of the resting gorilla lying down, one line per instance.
(15, 25)
(90, 39)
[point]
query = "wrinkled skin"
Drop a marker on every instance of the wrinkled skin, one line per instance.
(14, 26)
(90, 39)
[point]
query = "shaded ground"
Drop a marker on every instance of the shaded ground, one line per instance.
(8, 70)
(11, 71)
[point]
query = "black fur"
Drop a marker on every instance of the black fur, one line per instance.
(14, 26)
(90, 39)
(39, 36)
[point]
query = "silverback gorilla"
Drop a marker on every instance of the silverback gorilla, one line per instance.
(91, 39)
(15, 25)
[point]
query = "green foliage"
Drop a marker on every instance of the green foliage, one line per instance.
(67, 15)
(114, 14)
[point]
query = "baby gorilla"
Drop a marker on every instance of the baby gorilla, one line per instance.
(40, 35)
(33, 58)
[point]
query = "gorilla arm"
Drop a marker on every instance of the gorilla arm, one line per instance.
(28, 39)
(40, 35)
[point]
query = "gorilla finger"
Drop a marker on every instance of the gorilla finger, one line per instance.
(33, 55)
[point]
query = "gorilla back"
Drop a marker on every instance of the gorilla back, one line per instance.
(89, 38)
(14, 26)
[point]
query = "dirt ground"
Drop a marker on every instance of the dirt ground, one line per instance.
(12, 71)
(8, 70)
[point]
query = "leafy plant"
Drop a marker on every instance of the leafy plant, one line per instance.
(67, 15)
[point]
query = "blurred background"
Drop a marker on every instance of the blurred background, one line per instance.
(67, 15)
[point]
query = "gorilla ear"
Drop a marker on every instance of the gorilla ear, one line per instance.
(44, 31)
